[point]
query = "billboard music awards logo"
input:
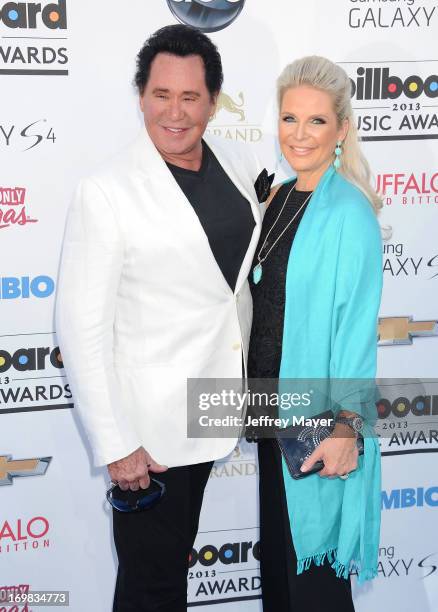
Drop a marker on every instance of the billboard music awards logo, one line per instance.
(224, 570)
(33, 38)
(412, 14)
(408, 416)
(206, 15)
(32, 376)
(395, 100)
(230, 120)
(24, 535)
(13, 207)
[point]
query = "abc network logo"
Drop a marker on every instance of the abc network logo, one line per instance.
(31, 15)
(206, 15)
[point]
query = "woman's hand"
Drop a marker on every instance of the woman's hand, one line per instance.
(338, 452)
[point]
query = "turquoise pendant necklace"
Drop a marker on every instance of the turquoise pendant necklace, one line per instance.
(257, 271)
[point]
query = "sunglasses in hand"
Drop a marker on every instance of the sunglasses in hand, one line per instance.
(135, 501)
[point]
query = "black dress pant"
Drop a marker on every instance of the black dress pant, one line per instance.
(153, 546)
(315, 590)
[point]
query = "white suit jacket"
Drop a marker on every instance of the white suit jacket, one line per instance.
(142, 305)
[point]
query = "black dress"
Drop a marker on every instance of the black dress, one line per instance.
(316, 589)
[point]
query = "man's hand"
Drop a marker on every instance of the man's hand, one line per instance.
(132, 472)
(339, 454)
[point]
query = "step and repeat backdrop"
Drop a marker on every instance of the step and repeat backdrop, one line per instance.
(67, 103)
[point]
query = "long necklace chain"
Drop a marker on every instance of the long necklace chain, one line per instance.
(258, 270)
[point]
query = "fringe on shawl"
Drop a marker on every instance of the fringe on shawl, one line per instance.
(342, 570)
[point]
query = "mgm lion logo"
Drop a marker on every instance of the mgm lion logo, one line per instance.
(227, 103)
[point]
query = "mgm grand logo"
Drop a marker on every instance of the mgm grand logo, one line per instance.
(230, 120)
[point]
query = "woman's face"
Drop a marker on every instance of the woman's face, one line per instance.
(308, 132)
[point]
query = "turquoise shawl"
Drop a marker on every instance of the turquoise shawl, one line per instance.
(333, 290)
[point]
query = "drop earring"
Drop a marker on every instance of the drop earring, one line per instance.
(338, 153)
(279, 160)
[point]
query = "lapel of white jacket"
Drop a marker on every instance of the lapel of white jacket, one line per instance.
(163, 187)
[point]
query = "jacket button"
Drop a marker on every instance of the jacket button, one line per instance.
(236, 346)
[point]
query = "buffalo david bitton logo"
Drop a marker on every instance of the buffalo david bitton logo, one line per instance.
(10, 468)
(230, 120)
(402, 330)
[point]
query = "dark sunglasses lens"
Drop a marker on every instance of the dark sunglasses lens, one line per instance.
(131, 501)
(149, 500)
(118, 504)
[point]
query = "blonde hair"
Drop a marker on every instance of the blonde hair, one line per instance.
(321, 73)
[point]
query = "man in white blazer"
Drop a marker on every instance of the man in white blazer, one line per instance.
(153, 291)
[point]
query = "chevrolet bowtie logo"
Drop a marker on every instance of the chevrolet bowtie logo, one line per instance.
(21, 467)
(401, 330)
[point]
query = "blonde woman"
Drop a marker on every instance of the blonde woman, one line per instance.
(316, 287)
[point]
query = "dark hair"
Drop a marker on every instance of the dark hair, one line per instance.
(180, 40)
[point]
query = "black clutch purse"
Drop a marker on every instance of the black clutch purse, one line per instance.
(297, 443)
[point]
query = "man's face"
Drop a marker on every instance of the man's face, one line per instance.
(177, 105)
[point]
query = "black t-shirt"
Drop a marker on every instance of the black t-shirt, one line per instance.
(223, 212)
